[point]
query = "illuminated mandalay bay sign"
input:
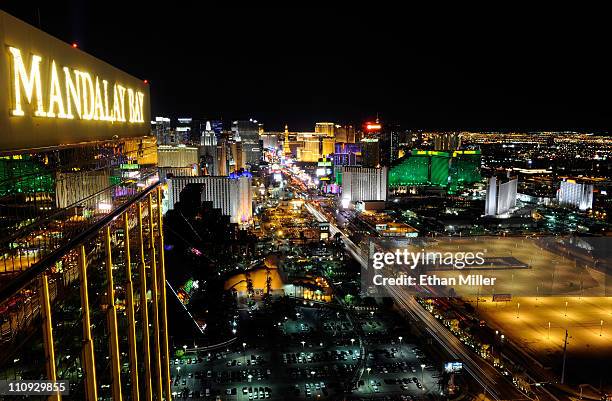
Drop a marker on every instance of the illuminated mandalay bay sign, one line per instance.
(53, 94)
(72, 93)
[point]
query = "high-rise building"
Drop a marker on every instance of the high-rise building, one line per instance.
(345, 134)
(500, 197)
(325, 129)
(347, 154)
(208, 151)
(363, 183)
(412, 170)
(237, 161)
(80, 217)
(327, 146)
(223, 156)
(464, 169)
(177, 160)
(447, 141)
(436, 168)
(247, 131)
(270, 140)
(573, 194)
(231, 194)
(370, 152)
(216, 126)
(185, 130)
(161, 129)
(309, 151)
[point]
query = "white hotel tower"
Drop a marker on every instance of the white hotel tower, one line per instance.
(575, 195)
(230, 194)
(364, 184)
(501, 197)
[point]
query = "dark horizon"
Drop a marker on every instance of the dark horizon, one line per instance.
(299, 66)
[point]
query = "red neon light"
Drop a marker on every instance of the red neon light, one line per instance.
(372, 127)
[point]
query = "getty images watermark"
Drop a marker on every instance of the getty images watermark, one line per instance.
(403, 258)
(499, 267)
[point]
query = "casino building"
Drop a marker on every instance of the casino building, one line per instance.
(82, 275)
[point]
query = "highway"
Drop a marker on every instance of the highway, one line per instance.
(350, 245)
(494, 385)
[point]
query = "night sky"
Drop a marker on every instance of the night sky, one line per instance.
(509, 69)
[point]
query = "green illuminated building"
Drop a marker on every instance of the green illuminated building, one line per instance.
(409, 171)
(20, 174)
(435, 168)
(465, 169)
(439, 169)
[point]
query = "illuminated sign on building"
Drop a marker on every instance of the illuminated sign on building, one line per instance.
(373, 127)
(54, 94)
(70, 87)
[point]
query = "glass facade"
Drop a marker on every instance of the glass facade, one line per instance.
(82, 294)
(47, 196)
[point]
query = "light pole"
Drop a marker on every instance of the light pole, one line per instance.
(244, 352)
(303, 343)
(423, 373)
(565, 308)
(400, 342)
(600, 328)
(352, 341)
(549, 330)
(518, 310)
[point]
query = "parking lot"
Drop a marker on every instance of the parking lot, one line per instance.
(311, 357)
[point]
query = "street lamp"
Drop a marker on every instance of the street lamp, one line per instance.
(565, 308)
(422, 372)
(518, 310)
(352, 341)
(303, 343)
(600, 328)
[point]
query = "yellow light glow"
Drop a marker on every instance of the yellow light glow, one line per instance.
(98, 107)
(55, 95)
(85, 93)
(118, 103)
(29, 82)
(73, 93)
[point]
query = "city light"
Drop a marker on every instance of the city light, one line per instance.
(354, 206)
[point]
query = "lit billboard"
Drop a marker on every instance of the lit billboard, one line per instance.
(52, 93)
